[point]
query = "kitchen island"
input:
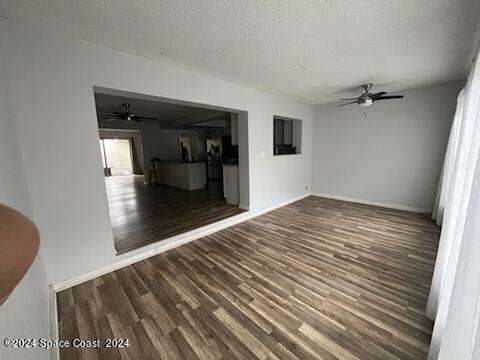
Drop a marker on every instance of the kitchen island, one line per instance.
(183, 175)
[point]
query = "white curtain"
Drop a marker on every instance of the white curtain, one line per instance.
(450, 156)
(453, 289)
(460, 338)
(451, 192)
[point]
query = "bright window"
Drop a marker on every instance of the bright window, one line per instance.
(116, 156)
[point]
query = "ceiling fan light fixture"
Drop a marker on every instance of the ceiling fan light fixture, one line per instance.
(366, 102)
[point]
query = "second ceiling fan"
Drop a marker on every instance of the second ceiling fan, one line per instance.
(368, 98)
(126, 115)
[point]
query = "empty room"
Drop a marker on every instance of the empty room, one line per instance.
(239, 180)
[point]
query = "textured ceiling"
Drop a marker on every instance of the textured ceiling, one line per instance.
(315, 51)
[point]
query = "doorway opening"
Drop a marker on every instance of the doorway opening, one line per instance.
(170, 166)
(116, 157)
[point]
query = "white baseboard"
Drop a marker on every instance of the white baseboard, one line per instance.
(170, 243)
(374, 203)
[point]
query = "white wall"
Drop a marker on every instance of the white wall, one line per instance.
(25, 313)
(52, 99)
(392, 155)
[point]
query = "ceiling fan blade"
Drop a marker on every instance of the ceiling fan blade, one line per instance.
(347, 99)
(348, 103)
(145, 118)
(389, 97)
(377, 95)
(114, 119)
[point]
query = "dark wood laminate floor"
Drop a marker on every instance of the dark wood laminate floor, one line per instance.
(317, 279)
(142, 214)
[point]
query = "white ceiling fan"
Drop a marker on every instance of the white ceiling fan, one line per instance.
(367, 98)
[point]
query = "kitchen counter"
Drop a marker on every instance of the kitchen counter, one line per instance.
(230, 183)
